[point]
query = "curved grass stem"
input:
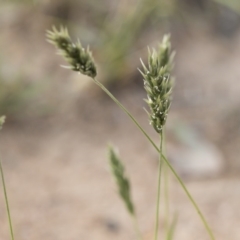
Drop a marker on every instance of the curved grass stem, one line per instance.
(166, 190)
(163, 157)
(6, 201)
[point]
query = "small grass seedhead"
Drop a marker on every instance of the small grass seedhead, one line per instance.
(158, 83)
(121, 180)
(79, 58)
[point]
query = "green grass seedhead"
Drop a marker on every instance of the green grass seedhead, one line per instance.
(158, 83)
(79, 58)
(121, 180)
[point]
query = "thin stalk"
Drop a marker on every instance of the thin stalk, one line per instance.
(164, 158)
(158, 187)
(166, 189)
(126, 111)
(166, 198)
(6, 200)
(191, 199)
(172, 228)
(136, 227)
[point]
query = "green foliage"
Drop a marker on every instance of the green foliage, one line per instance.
(11, 97)
(20, 99)
(158, 83)
(233, 4)
(2, 120)
(121, 180)
(123, 33)
(80, 59)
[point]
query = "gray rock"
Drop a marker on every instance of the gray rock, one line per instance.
(194, 156)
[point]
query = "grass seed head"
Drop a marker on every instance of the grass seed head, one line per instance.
(121, 180)
(158, 82)
(79, 58)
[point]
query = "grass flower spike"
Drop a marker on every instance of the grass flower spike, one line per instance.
(124, 188)
(80, 59)
(121, 180)
(158, 83)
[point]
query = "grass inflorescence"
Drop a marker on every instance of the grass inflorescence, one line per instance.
(158, 83)
(122, 181)
(79, 58)
(123, 184)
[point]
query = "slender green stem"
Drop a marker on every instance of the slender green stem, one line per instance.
(166, 199)
(164, 158)
(136, 227)
(172, 227)
(191, 199)
(126, 111)
(158, 187)
(6, 200)
(166, 189)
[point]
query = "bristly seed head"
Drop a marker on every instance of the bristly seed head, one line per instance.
(158, 83)
(80, 59)
(121, 180)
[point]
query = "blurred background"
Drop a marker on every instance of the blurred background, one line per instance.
(53, 145)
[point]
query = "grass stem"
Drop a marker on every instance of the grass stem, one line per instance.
(6, 201)
(164, 158)
(160, 163)
(166, 199)
(166, 189)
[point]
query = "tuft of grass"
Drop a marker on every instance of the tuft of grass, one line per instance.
(158, 83)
